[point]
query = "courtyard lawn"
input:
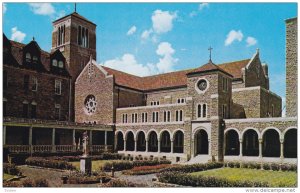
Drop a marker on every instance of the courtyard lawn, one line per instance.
(7, 176)
(96, 165)
(274, 178)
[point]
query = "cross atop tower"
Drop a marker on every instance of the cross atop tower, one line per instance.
(75, 7)
(210, 49)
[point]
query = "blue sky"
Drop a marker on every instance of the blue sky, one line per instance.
(150, 38)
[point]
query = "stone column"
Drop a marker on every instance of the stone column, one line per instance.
(74, 142)
(172, 146)
(91, 140)
(53, 140)
(135, 145)
(209, 147)
(193, 148)
(158, 146)
(105, 140)
(241, 147)
(281, 149)
(30, 139)
(124, 144)
(146, 145)
(4, 134)
(260, 148)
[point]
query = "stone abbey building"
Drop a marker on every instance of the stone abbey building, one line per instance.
(212, 112)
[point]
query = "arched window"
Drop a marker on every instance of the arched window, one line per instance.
(199, 110)
(54, 62)
(28, 57)
(204, 110)
(60, 64)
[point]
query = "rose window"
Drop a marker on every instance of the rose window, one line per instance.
(90, 104)
(202, 85)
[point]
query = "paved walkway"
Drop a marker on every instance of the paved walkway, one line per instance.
(140, 179)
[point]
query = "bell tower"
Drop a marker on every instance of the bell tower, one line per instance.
(75, 37)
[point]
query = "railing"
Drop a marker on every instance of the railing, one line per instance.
(55, 148)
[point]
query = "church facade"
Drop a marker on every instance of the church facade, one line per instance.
(212, 112)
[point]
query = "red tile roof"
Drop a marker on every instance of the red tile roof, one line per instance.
(173, 79)
(208, 67)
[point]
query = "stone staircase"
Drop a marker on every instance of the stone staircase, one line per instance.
(199, 159)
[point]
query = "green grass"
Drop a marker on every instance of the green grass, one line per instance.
(96, 165)
(274, 178)
(7, 176)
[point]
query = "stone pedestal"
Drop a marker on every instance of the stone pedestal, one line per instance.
(86, 165)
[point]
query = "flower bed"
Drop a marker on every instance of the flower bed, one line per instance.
(11, 169)
(49, 163)
(201, 181)
(143, 170)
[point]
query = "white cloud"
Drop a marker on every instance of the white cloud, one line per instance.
(127, 63)
(233, 36)
(17, 35)
(42, 8)
(162, 21)
(145, 35)
(4, 8)
(132, 30)
(202, 6)
(251, 41)
(193, 14)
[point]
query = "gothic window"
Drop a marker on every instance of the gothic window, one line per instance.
(61, 35)
(58, 87)
(201, 110)
(179, 115)
(90, 104)
(34, 84)
(60, 64)
(83, 36)
(54, 62)
(28, 57)
(202, 84)
(204, 110)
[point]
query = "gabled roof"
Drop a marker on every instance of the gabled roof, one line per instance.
(75, 14)
(173, 79)
(208, 67)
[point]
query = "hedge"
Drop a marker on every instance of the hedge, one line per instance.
(49, 163)
(194, 167)
(202, 181)
(126, 165)
(265, 166)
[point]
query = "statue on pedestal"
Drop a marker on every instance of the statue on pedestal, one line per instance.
(85, 141)
(85, 160)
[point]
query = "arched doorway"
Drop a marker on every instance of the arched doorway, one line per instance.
(271, 144)
(178, 142)
(165, 142)
(130, 141)
(120, 141)
(201, 141)
(153, 142)
(250, 143)
(232, 143)
(141, 141)
(290, 144)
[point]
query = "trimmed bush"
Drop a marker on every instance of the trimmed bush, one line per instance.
(11, 169)
(201, 181)
(126, 165)
(194, 167)
(230, 164)
(275, 166)
(121, 183)
(49, 163)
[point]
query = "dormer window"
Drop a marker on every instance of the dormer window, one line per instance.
(54, 62)
(28, 57)
(60, 64)
(35, 59)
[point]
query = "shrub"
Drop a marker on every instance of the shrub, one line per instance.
(43, 162)
(126, 165)
(194, 167)
(237, 164)
(230, 164)
(254, 165)
(293, 167)
(275, 166)
(41, 183)
(143, 170)
(266, 166)
(11, 169)
(285, 167)
(202, 181)
(121, 183)
(111, 156)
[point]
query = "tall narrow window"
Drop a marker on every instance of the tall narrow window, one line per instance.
(180, 115)
(165, 116)
(33, 110)
(26, 82)
(58, 36)
(199, 108)
(58, 87)
(146, 117)
(79, 35)
(34, 84)
(156, 116)
(135, 117)
(224, 112)
(273, 111)
(25, 110)
(87, 38)
(60, 64)
(169, 116)
(132, 118)
(177, 115)
(204, 110)
(28, 57)
(54, 62)
(57, 111)
(5, 79)
(153, 116)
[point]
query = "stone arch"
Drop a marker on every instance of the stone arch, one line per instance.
(141, 140)
(165, 141)
(201, 139)
(276, 129)
(232, 141)
(248, 128)
(235, 129)
(290, 142)
(178, 141)
(130, 140)
(167, 130)
(128, 131)
(120, 140)
(250, 142)
(201, 128)
(271, 142)
(152, 137)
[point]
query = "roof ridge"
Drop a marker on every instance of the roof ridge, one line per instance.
(234, 61)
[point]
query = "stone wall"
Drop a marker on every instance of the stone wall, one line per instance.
(127, 97)
(291, 67)
(169, 96)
